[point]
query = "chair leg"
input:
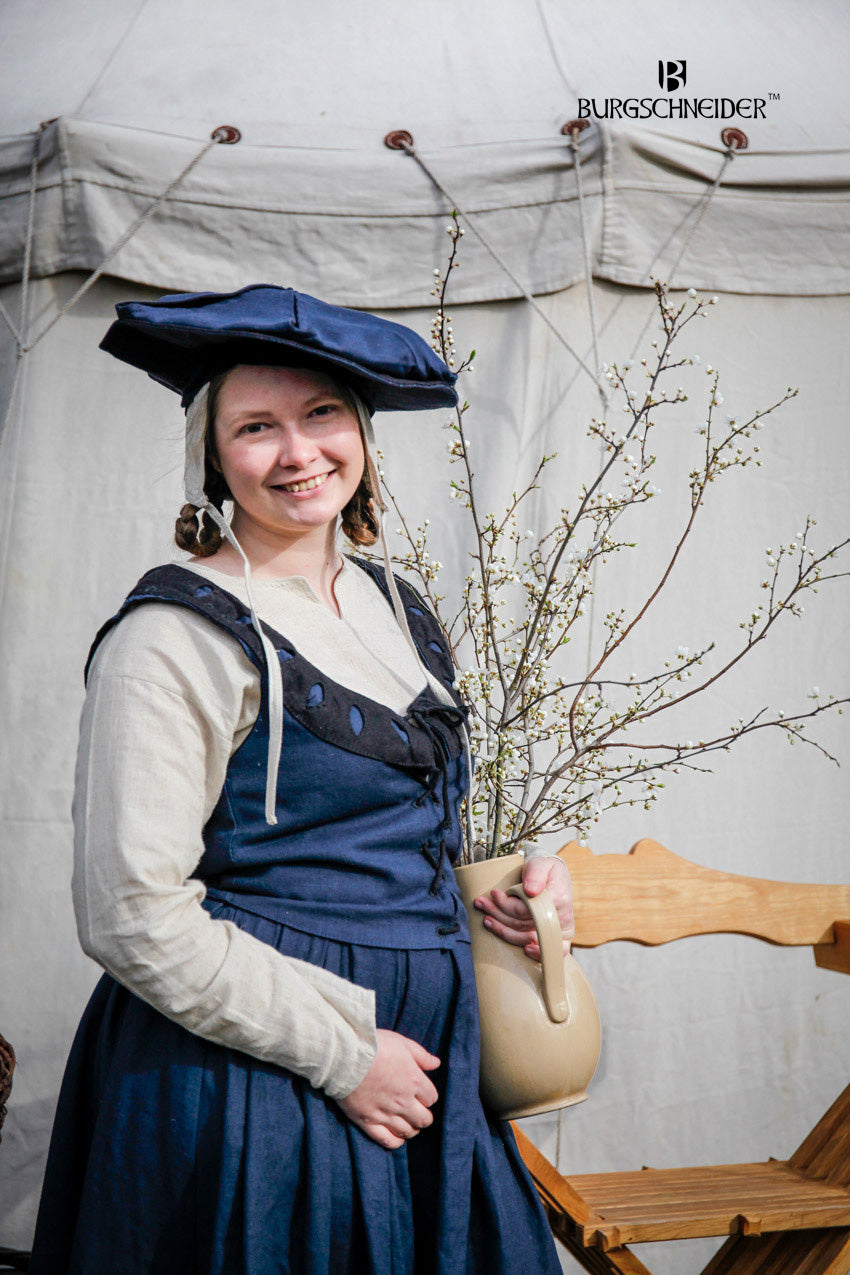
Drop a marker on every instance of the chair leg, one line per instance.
(822, 1251)
(566, 1210)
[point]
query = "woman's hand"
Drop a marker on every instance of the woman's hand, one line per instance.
(509, 917)
(392, 1101)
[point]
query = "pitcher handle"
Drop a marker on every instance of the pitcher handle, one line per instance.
(548, 928)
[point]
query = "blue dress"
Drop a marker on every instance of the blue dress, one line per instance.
(172, 1155)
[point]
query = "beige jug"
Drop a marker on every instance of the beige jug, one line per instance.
(540, 1029)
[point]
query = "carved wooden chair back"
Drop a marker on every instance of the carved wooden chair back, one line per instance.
(783, 1217)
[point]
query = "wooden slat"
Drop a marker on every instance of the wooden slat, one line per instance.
(616, 1261)
(667, 1204)
(652, 896)
(817, 1252)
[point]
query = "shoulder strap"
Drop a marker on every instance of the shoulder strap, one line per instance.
(179, 585)
(425, 628)
(325, 708)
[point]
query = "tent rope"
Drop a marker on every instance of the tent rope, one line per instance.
(125, 238)
(224, 135)
(410, 149)
(575, 131)
(19, 331)
(702, 209)
(7, 319)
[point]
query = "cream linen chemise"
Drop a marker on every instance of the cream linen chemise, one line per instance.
(170, 699)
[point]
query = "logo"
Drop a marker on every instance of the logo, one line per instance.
(672, 75)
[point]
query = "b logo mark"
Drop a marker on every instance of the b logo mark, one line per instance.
(672, 75)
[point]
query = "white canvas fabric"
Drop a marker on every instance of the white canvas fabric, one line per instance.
(310, 197)
(780, 222)
(715, 1049)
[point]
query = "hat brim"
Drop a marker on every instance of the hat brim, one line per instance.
(182, 362)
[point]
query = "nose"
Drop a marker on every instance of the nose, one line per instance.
(297, 448)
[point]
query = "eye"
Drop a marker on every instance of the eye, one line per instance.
(252, 427)
(325, 409)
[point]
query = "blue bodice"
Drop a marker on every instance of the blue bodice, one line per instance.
(367, 799)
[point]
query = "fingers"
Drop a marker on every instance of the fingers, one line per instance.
(518, 934)
(421, 1056)
(392, 1103)
(505, 909)
(426, 1093)
(511, 906)
(537, 874)
(382, 1135)
(509, 918)
(393, 1130)
(532, 949)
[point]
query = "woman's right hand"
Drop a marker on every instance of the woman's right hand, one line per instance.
(392, 1101)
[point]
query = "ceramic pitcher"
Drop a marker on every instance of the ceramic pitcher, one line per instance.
(540, 1029)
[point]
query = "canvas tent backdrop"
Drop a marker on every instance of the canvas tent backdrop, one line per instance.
(715, 1049)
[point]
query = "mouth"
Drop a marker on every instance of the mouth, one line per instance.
(305, 484)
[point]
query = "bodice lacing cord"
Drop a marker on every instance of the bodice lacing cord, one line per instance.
(429, 718)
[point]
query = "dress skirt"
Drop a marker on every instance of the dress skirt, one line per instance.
(172, 1155)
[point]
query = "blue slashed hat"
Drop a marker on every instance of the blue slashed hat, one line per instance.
(186, 339)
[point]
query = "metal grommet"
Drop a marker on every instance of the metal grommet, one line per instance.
(574, 126)
(734, 140)
(226, 134)
(398, 139)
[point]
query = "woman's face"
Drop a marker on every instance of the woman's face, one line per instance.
(289, 448)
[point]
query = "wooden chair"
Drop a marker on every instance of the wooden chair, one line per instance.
(783, 1217)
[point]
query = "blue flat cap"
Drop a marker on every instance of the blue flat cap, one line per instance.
(184, 340)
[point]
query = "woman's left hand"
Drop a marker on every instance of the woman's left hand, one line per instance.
(509, 917)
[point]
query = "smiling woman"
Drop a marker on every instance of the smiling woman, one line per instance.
(279, 1070)
(288, 444)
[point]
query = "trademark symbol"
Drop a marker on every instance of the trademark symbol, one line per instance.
(774, 97)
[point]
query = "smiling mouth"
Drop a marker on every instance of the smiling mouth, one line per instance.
(306, 484)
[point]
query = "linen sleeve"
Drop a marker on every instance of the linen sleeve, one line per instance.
(169, 698)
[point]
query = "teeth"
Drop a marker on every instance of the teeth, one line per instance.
(307, 485)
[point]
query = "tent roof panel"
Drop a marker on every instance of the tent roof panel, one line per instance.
(313, 198)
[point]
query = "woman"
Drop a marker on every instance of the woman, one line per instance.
(279, 1070)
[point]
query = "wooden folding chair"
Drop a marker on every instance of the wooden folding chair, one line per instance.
(782, 1217)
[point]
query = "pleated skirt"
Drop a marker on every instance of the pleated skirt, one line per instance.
(172, 1155)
